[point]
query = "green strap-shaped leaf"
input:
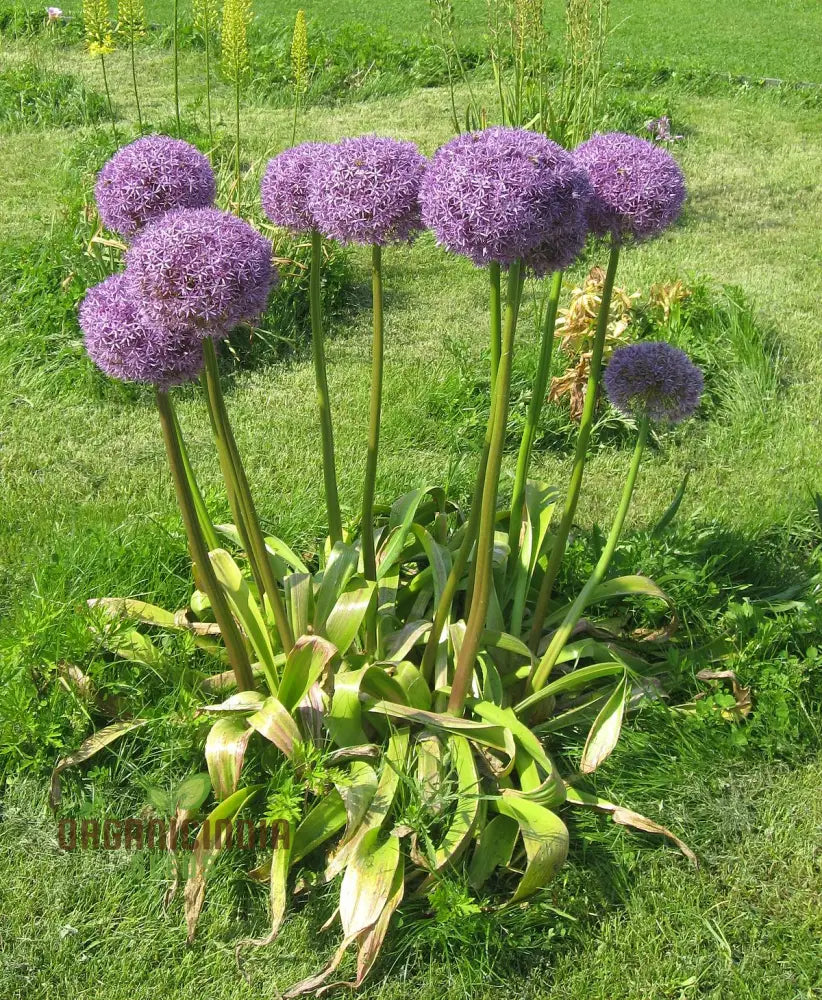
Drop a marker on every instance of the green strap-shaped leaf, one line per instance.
(277, 888)
(306, 663)
(545, 837)
(459, 832)
(356, 788)
(138, 611)
(129, 644)
(275, 723)
(344, 721)
(325, 819)
(299, 601)
(246, 610)
(620, 586)
(576, 680)
(210, 841)
(225, 749)
(494, 850)
(605, 731)
(393, 764)
(399, 524)
(510, 643)
(400, 643)
(341, 566)
(348, 614)
(491, 735)
(525, 738)
(367, 882)
(242, 701)
(575, 716)
(439, 559)
(279, 548)
(417, 691)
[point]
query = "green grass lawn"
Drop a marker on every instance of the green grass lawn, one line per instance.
(88, 510)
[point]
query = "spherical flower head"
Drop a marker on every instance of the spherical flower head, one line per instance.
(150, 177)
(122, 344)
(285, 186)
(494, 196)
(638, 187)
(653, 379)
(366, 190)
(201, 269)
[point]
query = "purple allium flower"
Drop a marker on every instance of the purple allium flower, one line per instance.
(638, 188)
(150, 177)
(201, 269)
(655, 379)
(123, 345)
(365, 190)
(497, 195)
(285, 186)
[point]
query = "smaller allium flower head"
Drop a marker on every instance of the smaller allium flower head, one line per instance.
(150, 177)
(285, 186)
(653, 379)
(366, 190)
(638, 188)
(123, 345)
(497, 195)
(201, 269)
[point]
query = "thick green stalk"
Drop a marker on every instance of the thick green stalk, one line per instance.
(134, 79)
(256, 541)
(332, 500)
(541, 672)
(583, 438)
(238, 176)
(443, 608)
(485, 536)
(203, 517)
(177, 69)
(237, 655)
(529, 432)
(496, 321)
(377, 350)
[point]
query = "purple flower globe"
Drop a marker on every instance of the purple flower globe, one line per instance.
(150, 177)
(366, 190)
(497, 195)
(201, 269)
(285, 186)
(638, 187)
(653, 379)
(123, 345)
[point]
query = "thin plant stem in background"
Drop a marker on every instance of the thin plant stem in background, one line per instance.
(374, 414)
(498, 416)
(237, 654)
(532, 419)
(332, 500)
(99, 42)
(560, 540)
(299, 65)
(205, 14)
(239, 483)
(235, 58)
(133, 20)
(176, 46)
(542, 671)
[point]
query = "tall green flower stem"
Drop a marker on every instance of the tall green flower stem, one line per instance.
(460, 562)
(177, 69)
(496, 321)
(332, 500)
(203, 517)
(207, 33)
(526, 446)
(238, 177)
(108, 98)
(543, 670)
(583, 439)
(237, 655)
(234, 473)
(134, 77)
(498, 418)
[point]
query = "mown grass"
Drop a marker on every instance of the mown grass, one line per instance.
(88, 511)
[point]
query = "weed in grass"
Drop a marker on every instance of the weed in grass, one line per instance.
(32, 97)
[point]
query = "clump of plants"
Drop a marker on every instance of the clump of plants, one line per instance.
(32, 97)
(416, 674)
